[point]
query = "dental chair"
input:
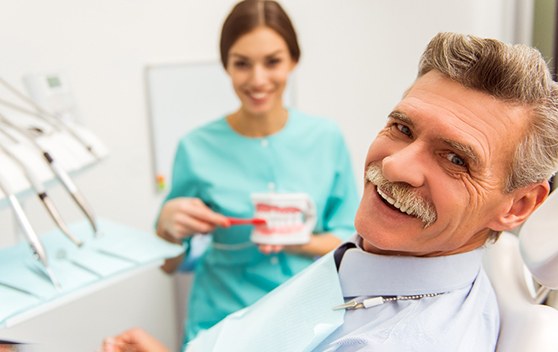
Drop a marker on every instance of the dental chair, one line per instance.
(524, 270)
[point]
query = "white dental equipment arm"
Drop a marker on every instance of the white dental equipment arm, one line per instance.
(60, 173)
(51, 118)
(538, 239)
(38, 187)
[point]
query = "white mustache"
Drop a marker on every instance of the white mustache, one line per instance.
(403, 194)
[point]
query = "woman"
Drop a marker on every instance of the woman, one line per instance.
(261, 147)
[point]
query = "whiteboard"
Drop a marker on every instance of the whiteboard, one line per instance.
(180, 98)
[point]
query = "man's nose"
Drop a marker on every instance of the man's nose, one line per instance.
(407, 165)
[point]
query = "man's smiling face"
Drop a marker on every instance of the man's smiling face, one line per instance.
(448, 149)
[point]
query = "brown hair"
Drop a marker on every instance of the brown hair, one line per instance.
(513, 73)
(249, 14)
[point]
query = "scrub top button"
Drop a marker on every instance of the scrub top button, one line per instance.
(271, 186)
(264, 143)
(274, 260)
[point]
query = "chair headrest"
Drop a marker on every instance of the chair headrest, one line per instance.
(538, 242)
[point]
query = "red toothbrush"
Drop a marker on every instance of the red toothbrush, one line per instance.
(239, 221)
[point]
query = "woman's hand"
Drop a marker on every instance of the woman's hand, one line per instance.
(183, 217)
(270, 248)
(133, 340)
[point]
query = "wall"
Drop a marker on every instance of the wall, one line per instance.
(358, 57)
(544, 26)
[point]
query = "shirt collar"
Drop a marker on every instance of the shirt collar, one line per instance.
(366, 274)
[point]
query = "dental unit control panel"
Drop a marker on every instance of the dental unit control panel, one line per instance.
(53, 92)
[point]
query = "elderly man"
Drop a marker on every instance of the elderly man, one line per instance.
(464, 155)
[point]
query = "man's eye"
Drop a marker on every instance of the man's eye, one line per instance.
(404, 129)
(456, 159)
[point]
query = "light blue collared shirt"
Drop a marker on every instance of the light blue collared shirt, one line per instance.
(464, 317)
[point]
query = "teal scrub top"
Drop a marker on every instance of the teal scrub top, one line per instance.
(222, 168)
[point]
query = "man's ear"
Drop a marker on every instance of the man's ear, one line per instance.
(523, 203)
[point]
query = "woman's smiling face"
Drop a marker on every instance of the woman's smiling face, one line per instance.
(259, 64)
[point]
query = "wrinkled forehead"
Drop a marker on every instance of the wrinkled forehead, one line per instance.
(473, 106)
(470, 117)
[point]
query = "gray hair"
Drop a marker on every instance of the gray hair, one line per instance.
(517, 74)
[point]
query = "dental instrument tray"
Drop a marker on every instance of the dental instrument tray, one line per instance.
(26, 290)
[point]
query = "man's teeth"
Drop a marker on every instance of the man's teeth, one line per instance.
(394, 203)
(257, 95)
(386, 197)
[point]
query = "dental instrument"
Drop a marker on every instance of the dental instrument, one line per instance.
(32, 238)
(60, 173)
(39, 188)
